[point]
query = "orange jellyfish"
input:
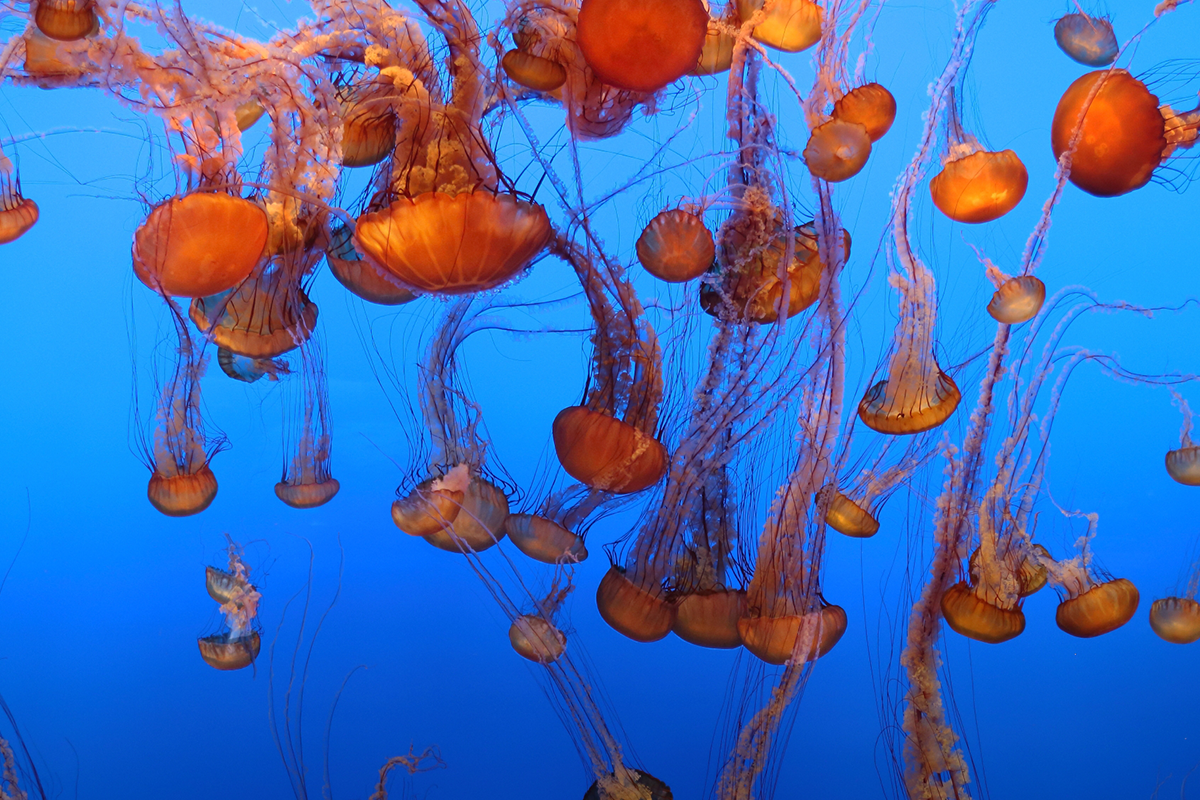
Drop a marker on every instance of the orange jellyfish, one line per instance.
(1183, 463)
(1117, 133)
(535, 636)
(237, 647)
(65, 20)
(870, 105)
(452, 224)
(181, 482)
(716, 56)
(976, 185)
(359, 275)
(675, 246)
(852, 508)
(307, 479)
(745, 285)
(641, 45)
(17, 214)
(249, 370)
(267, 316)
(1088, 40)
(457, 507)
(788, 25)
(608, 442)
(553, 532)
(368, 121)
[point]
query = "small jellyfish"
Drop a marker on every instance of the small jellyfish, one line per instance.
(249, 370)
(975, 185)
(237, 647)
(533, 72)
(641, 46)
(1176, 619)
(360, 275)
(65, 20)
(976, 618)
(837, 150)
(1123, 135)
(17, 214)
(1088, 40)
(1095, 607)
(535, 636)
(368, 121)
(870, 105)
(788, 25)
(849, 518)
(552, 534)
(307, 476)
(717, 54)
(676, 246)
(636, 784)
(1017, 300)
(200, 244)
(1183, 463)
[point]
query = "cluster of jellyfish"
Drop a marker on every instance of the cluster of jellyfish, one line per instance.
(721, 558)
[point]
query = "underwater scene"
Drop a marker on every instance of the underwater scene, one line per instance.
(603, 399)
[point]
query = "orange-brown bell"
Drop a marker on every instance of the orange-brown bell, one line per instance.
(710, 618)
(454, 244)
(307, 495)
(675, 246)
(606, 453)
(837, 150)
(641, 45)
(360, 276)
(182, 495)
(774, 638)
(200, 244)
(980, 187)
(870, 105)
(640, 614)
(17, 219)
(533, 72)
(789, 25)
(1122, 139)
(226, 653)
(1176, 619)
(978, 619)
(1103, 608)
(65, 20)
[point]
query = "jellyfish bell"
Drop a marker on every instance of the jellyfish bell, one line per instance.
(433, 504)
(976, 618)
(263, 318)
(709, 618)
(65, 20)
(870, 105)
(1017, 300)
(1031, 570)
(641, 614)
(607, 453)
(454, 244)
(773, 639)
(1121, 135)
(479, 523)
(225, 652)
(536, 639)
(224, 587)
(307, 495)
(849, 518)
(641, 45)
(533, 72)
(647, 787)
(1103, 608)
(1183, 464)
(979, 187)
(544, 539)
(249, 370)
(837, 150)
(199, 244)
(1176, 619)
(17, 214)
(368, 122)
(789, 25)
(717, 54)
(359, 275)
(909, 407)
(1088, 40)
(676, 246)
(182, 494)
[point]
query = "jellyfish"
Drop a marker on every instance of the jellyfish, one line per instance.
(608, 442)
(457, 507)
(716, 56)
(788, 25)
(675, 246)
(249, 370)
(17, 214)
(641, 46)
(1183, 462)
(265, 317)
(975, 185)
(534, 636)
(1116, 132)
(852, 508)
(870, 105)
(1088, 40)
(1093, 603)
(65, 20)
(452, 224)
(368, 120)
(359, 275)
(237, 647)
(1177, 619)
(307, 480)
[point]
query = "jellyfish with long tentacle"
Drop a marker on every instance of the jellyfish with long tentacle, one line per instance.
(307, 480)
(17, 213)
